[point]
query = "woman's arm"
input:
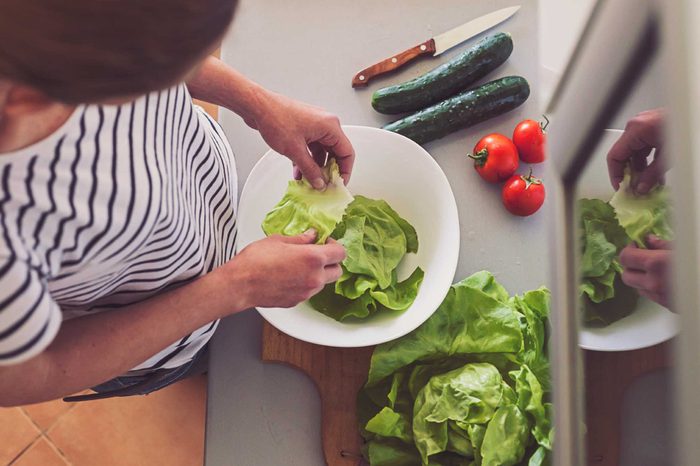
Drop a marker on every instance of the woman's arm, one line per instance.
(89, 350)
(292, 128)
(219, 84)
(92, 349)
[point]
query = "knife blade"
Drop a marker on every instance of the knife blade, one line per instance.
(435, 45)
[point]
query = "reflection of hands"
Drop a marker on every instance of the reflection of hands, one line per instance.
(305, 134)
(282, 271)
(647, 270)
(643, 133)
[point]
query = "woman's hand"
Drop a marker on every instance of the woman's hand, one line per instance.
(304, 133)
(642, 133)
(282, 271)
(647, 270)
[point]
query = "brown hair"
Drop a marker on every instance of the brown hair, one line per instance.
(79, 51)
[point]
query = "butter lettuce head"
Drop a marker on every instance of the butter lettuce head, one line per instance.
(644, 214)
(468, 387)
(376, 239)
(303, 207)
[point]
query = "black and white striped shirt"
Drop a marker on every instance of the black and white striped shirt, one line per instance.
(119, 204)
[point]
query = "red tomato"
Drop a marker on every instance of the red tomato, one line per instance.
(523, 195)
(495, 158)
(529, 137)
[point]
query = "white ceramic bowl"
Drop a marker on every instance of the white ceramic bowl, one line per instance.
(391, 167)
(650, 323)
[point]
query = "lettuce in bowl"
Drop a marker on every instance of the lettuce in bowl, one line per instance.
(376, 239)
(304, 207)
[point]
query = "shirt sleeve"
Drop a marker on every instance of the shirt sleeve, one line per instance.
(29, 317)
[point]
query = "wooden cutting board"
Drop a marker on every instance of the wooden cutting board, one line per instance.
(338, 374)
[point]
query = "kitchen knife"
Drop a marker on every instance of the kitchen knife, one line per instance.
(436, 45)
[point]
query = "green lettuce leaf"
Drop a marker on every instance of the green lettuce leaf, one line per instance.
(531, 401)
(604, 297)
(374, 241)
(506, 437)
(468, 321)
(378, 209)
(388, 423)
(303, 207)
(399, 296)
(642, 215)
(468, 395)
(391, 453)
(352, 285)
(339, 307)
(599, 289)
(607, 311)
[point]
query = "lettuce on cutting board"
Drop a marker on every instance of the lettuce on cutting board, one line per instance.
(468, 387)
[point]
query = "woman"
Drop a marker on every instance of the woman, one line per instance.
(117, 195)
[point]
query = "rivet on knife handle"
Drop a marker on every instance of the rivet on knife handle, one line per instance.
(390, 64)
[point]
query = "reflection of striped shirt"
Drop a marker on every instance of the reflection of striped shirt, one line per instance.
(122, 202)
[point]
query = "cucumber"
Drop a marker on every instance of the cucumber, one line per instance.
(447, 79)
(463, 110)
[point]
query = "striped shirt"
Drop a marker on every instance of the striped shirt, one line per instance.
(119, 204)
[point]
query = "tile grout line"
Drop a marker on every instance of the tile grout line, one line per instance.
(24, 450)
(58, 450)
(43, 431)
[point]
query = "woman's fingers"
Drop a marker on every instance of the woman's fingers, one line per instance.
(333, 273)
(333, 253)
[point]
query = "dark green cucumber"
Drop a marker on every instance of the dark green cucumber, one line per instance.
(463, 110)
(447, 79)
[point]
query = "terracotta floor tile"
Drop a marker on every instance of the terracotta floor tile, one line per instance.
(45, 414)
(41, 453)
(165, 427)
(16, 432)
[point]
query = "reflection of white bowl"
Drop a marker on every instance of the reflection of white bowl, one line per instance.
(390, 167)
(650, 323)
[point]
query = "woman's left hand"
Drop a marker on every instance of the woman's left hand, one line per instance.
(648, 270)
(305, 134)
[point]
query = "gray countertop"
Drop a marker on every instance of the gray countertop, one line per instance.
(266, 414)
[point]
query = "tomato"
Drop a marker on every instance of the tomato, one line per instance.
(530, 138)
(495, 158)
(523, 195)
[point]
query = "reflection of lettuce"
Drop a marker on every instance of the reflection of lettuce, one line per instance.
(605, 298)
(376, 239)
(468, 387)
(644, 214)
(605, 229)
(304, 207)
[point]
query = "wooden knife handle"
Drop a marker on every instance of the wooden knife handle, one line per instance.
(390, 64)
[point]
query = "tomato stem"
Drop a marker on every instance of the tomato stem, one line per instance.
(480, 157)
(530, 180)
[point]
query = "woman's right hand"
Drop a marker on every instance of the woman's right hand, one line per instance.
(642, 133)
(282, 271)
